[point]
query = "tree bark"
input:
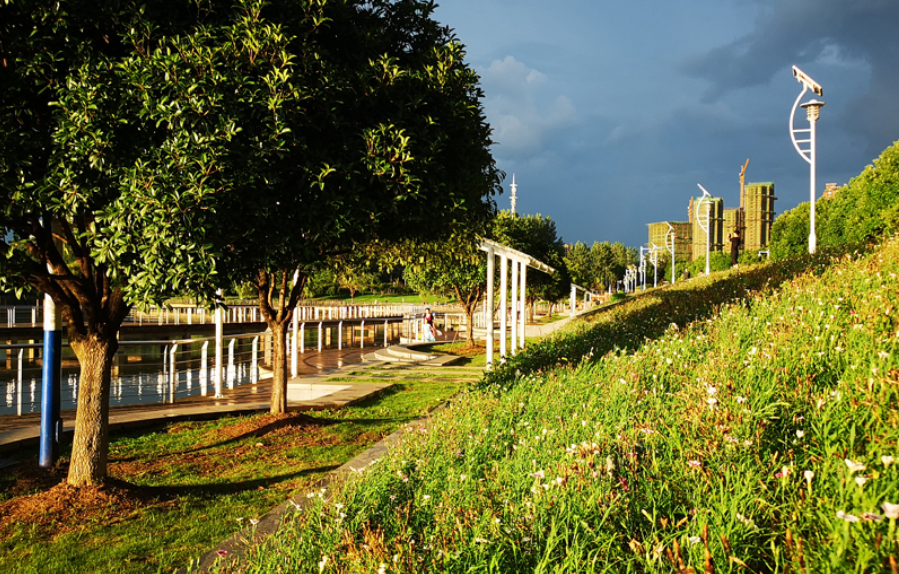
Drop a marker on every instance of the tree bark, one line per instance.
(90, 447)
(278, 302)
(279, 367)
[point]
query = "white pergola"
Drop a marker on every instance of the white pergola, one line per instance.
(520, 263)
(573, 301)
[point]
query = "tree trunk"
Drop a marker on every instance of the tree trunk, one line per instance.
(279, 367)
(90, 446)
(469, 312)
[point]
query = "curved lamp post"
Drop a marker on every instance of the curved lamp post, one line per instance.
(654, 259)
(813, 111)
(669, 243)
(707, 199)
(643, 266)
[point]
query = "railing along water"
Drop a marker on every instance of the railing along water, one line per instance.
(167, 370)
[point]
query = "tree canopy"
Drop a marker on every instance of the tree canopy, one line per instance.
(161, 147)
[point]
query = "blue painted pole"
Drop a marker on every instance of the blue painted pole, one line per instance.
(51, 422)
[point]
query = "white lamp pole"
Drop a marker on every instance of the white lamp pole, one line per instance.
(707, 199)
(514, 197)
(669, 243)
(813, 111)
(643, 267)
(654, 254)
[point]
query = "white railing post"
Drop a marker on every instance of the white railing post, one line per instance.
(172, 373)
(362, 335)
(254, 362)
(294, 365)
(21, 375)
(231, 371)
(320, 336)
(340, 335)
(303, 337)
(204, 368)
(385, 333)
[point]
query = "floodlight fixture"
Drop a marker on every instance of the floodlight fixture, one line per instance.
(808, 82)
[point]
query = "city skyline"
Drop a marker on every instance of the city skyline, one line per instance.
(609, 114)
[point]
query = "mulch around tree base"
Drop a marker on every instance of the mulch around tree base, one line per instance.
(56, 508)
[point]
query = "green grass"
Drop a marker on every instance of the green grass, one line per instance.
(745, 421)
(202, 486)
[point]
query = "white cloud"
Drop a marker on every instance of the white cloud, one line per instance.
(519, 108)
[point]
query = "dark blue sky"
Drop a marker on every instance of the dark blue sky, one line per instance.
(609, 113)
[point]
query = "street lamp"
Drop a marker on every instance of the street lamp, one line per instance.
(643, 266)
(813, 111)
(654, 254)
(669, 243)
(707, 199)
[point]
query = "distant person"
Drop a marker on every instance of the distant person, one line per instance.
(430, 332)
(734, 239)
(686, 274)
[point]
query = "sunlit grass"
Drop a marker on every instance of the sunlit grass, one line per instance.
(742, 422)
(203, 486)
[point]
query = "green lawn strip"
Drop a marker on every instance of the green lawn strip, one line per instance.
(725, 444)
(208, 485)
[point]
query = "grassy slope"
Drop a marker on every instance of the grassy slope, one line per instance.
(720, 445)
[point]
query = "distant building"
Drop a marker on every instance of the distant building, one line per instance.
(830, 191)
(716, 226)
(758, 215)
(683, 238)
(733, 221)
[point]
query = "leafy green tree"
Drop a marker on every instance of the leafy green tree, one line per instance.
(180, 146)
(865, 209)
(622, 258)
(581, 264)
(606, 269)
(789, 234)
(454, 268)
(536, 235)
(396, 146)
(82, 217)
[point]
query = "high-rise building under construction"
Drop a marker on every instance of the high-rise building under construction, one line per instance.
(758, 215)
(683, 239)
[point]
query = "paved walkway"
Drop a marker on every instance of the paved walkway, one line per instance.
(22, 430)
(314, 369)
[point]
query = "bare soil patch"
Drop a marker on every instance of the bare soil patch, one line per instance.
(261, 426)
(62, 508)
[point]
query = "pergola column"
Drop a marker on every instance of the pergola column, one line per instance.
(503, 303)
(514, 308)
(523, 306)
(573, 300)
(489, 315)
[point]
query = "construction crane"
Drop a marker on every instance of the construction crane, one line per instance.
(743, 181)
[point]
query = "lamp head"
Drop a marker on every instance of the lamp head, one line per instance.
(813, 109)
(705, 193)
(809, 83)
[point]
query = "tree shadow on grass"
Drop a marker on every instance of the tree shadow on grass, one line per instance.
(218, 489)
